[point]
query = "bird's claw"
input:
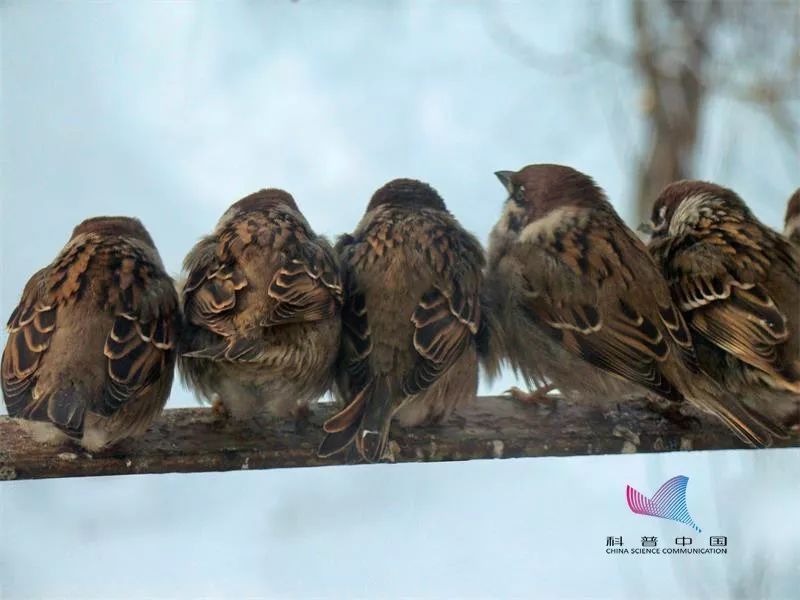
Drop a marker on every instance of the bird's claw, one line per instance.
(533, 397)
(219, 409)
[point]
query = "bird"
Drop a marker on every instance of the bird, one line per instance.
(792, 230)
(581, 303)
(91, 345)
(737, 283)
(262, 298)
(411, 320)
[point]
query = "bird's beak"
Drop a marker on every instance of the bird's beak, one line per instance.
(505, 179)
(646, 228)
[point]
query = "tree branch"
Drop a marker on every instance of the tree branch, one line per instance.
(194, 440)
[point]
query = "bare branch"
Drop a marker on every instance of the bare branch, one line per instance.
(195, 440)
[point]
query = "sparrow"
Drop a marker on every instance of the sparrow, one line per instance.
(262, 299)
(737, 283)
(581, 303)
(91, 345)
(411, 319)
(792, 230)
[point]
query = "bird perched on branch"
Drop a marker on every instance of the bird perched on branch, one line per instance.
(91, 346)
(581, 303)
(262, 301)
(792, 230)
(410, 321)
(737, 283)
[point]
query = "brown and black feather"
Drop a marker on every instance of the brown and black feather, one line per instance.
(107, 287)
(411, 315)
(262, 300)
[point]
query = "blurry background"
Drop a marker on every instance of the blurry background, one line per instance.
(172, 111)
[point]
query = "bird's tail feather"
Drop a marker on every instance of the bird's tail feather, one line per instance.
(365, 422)
(374, 431)
(66, 409)
(751, 426)
(336, 441)
(489, 339)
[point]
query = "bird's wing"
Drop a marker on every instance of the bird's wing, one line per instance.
(140, 348)
(304, 286)
(210, 292)
(30, 329)
(584, 289)
(721, 284)
(448, 316)
(445, 322)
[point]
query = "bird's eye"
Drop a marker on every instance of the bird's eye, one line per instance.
(660, 219)
(658, 216)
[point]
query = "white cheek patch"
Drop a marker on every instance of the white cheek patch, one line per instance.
(547, 225)
(689, 213)
(502, 235)
(511, 210)
(792, 225)
(502, 229)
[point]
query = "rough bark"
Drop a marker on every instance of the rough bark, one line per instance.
(196, 440)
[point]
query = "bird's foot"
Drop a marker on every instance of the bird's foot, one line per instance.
(302, 418)
(219, 409)
(672, 412)
(536, 396)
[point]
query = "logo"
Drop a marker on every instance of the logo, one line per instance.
(669, 502)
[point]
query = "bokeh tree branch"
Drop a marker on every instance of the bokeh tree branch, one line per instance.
(684, 53)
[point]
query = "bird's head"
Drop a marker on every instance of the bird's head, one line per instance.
(264, 200)
(407, 193)
(683, 205)
(537, 191)
(114, 226)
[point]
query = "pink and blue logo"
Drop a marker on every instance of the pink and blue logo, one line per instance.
(669, 502)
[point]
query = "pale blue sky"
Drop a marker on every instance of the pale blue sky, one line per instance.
(170, 112)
